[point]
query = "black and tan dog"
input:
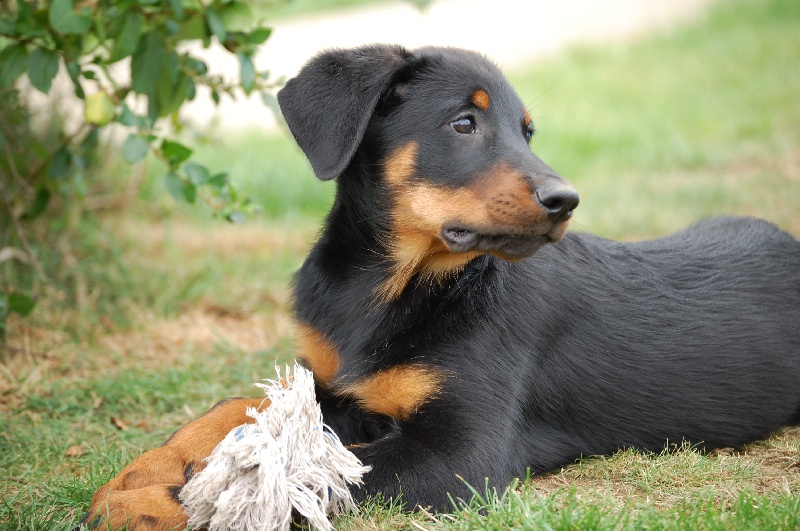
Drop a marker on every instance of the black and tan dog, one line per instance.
(454, 330)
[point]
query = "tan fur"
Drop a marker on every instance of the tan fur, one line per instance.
(480, 98)
(149, 508)
(142, 487)
(318, 354)
(397, 392)
(499, 201)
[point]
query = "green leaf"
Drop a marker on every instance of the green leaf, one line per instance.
(190, 192)
(131, 119)
(79, 185)
(39, 204)
(215, 25)
(42, 68)
(171, 88)
(174, 152)
(189, 87)
(236, 16)
(74, 71)
(172, 27)
(177, 8)
(59, 164)
(135, 148)
(128, 38)
(259, 35)
(197, 173)
(195, 65)
(90, 143)
(146, 63)
(20, 303)
(248, 72)
(64, 19)
(175, 185)
(13, 62)
(193, 28)
(218, 181)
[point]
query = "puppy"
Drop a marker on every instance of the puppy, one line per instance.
(459, 335)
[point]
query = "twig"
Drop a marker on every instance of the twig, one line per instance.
(22, 238)
(14, 170)
(44, 162)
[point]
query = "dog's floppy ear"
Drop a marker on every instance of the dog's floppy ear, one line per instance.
(329, 104)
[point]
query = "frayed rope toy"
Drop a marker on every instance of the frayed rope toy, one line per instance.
(286, 460)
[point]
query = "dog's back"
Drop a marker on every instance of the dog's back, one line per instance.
(694, 336)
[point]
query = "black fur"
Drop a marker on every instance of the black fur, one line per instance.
(584, 347)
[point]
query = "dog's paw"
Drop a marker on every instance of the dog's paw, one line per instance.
(144, 495)
(151, 508)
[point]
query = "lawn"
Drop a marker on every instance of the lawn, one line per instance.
(154, 312)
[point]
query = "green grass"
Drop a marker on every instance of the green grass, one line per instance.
(155, 313)
(697, 122)
(283, 186)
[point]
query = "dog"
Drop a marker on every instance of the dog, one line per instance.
(459, 336)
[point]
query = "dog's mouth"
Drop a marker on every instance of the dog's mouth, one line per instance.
(510, 246)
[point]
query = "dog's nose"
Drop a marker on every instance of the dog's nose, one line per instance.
(559, 201)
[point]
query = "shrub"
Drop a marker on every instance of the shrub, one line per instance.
(119, 56)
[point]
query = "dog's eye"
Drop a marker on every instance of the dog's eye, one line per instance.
(464, 125)
(528, 133)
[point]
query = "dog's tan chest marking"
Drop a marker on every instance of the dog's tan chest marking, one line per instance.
(397, 392)
(319, 355)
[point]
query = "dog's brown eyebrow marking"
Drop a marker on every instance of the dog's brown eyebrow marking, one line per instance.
(397, 392)
(319, 355)
(527, 118)
(480, 98)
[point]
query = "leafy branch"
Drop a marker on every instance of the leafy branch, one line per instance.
(127, 61)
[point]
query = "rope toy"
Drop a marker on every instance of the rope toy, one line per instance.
(286, 460)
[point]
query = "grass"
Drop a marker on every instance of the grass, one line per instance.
(708, 127)
(154, 314)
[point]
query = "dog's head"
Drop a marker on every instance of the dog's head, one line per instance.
(452, 140)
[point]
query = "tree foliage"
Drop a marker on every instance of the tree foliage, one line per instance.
(119, 56)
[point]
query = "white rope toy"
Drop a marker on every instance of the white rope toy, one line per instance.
(287, 459)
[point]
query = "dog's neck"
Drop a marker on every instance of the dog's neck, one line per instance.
(335, 290)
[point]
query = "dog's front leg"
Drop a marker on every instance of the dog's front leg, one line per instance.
(144, 495)
(429, 472)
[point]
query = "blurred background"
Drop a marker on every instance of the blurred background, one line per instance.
(128, 301)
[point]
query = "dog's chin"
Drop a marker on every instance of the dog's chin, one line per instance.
(509, 246)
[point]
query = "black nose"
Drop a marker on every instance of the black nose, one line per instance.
(559, 201)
